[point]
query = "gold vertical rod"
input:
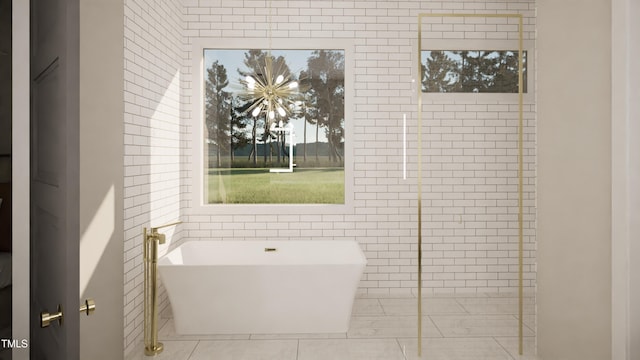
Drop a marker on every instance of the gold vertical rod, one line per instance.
(154, 297)
(151, 344)
(145, 305)
(419, 92)
(520, 183)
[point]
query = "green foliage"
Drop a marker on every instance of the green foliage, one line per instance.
(439, 74)
(494, 71)
(259, 186)
(323, 161)
(217, 108)
(235, 133)
(326, 74)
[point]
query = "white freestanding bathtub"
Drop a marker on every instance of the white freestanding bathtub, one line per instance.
(262, 287)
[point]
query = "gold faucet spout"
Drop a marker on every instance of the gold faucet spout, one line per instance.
(155, 229)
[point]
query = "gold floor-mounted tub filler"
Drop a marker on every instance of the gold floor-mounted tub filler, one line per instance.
(520, 165)
(150, 241)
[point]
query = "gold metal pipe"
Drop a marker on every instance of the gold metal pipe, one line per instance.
(151, 344)
(520, 191)
(145, 264)
(150, 241)
(155, 229)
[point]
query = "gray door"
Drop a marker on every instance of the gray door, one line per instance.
(54, 177)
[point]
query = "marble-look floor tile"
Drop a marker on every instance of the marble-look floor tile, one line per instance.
(511, 345)
(429, 306)
(455, 327)
(496, 300)
(529, 321)
(511, 294)
(454, 349)
(496, 305)
(478, 325)
(173, 350)
(456, 295)
(298, 336)
(366, 307)
(168, 332)
(390, 327)
(350, 349)
(385, 296)
(246, 350)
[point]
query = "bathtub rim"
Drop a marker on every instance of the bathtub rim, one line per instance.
(164, 261)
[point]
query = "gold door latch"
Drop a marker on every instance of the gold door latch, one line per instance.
(88, 307)
(46, 319)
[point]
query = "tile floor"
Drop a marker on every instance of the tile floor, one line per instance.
(473, 327)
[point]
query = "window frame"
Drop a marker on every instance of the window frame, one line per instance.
(197, 118)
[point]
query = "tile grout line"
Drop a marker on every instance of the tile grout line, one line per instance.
(194, 349)
(403, 350)
(384, 312)
(504, 348)
(462, 306)
(436, 326)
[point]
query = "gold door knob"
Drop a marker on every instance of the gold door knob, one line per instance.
(88, 307)
(46, 319)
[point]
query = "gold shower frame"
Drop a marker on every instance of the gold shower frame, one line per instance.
(421, 16)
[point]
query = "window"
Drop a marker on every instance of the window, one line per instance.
(274, 126)
(472, 71)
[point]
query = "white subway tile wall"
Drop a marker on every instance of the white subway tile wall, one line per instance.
(470, 186)
(154, 57)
